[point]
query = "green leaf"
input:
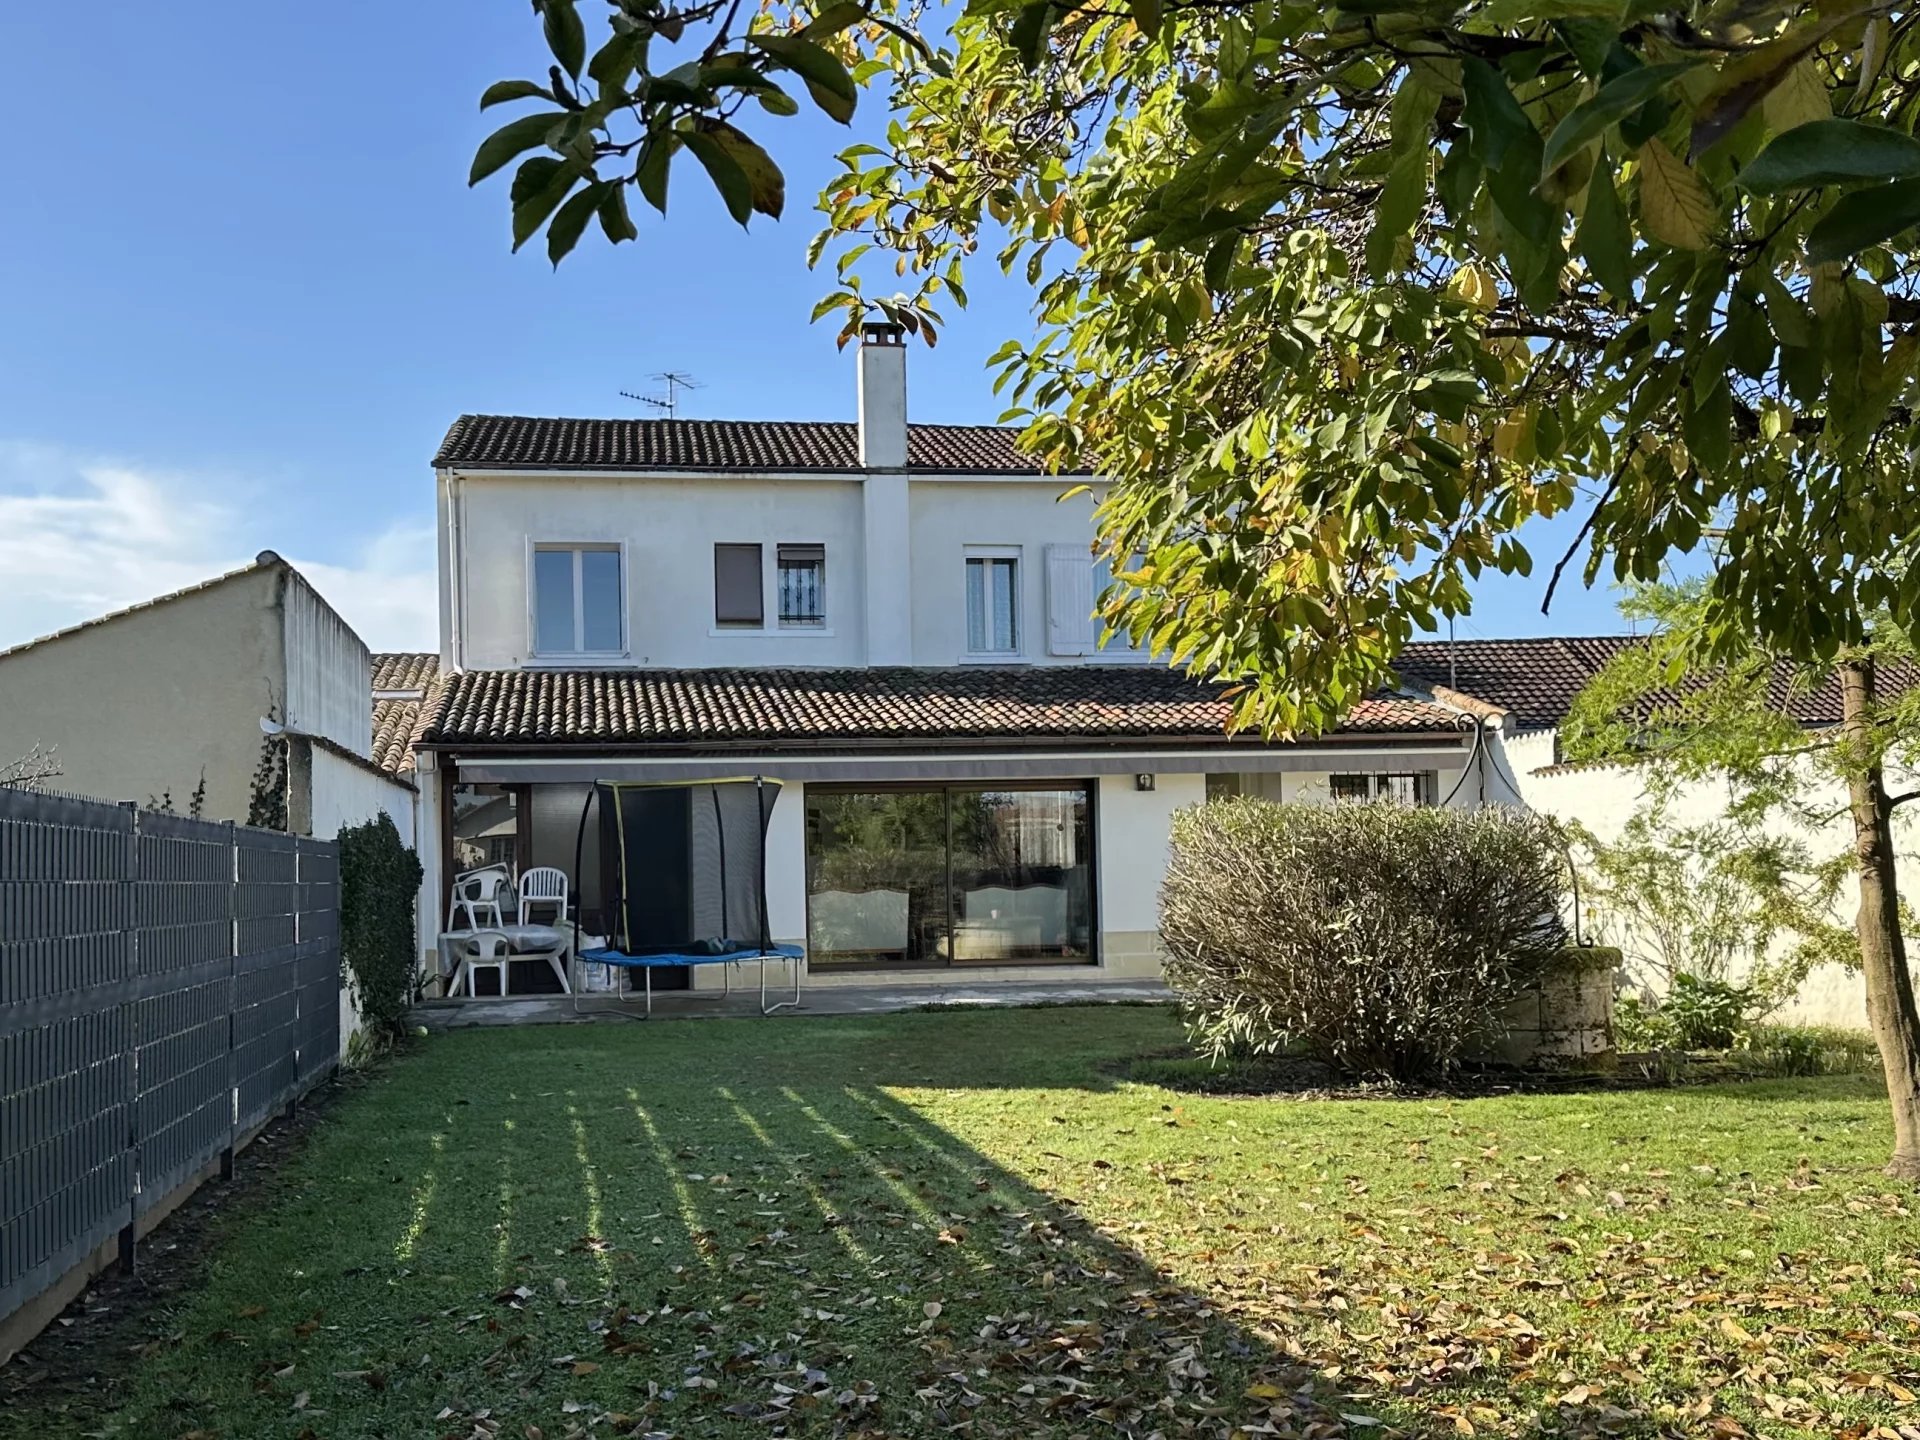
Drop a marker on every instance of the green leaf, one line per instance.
(502, 91)
(516, 137)
(1675, 208)
(1495, 122)
(566, 36)
(1457, 182)
(539, 185)
(834, 19)
(613, 62)
(571, 222)
(1400, 202)
(1804, 370)
(1832, 152)
(1749, 341)
(1029, 33)
(1614, 101)
(1864, 217)
(1752, 75)
(1800, 98)
(1604, 239)
(727, 176)
(1786, 314)
(615, 222)
(776, 101)
(1147, 15)
(651, 173)
(827, 79)
(1218, 267)
(764, 180)
(1588, 40)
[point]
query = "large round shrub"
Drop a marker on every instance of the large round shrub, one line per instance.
(1382, 938)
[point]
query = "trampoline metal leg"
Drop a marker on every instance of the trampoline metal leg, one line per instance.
(793, 1004)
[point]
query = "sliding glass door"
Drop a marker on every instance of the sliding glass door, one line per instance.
(949, 875)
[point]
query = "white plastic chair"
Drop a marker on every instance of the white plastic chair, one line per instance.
(478, 892)
(543, 885)
(486, 950)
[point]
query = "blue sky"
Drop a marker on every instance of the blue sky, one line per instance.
(244, 289)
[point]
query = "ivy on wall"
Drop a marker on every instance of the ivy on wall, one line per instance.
(379, 880)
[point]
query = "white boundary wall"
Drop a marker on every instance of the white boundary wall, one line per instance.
(1604, 798)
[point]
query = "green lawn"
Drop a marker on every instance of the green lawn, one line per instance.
(920, 1224)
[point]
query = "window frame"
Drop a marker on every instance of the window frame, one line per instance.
(576, 548)
(1425, 784)
(1091, 788)
(742, 627)
(988, 554)
(780, 621)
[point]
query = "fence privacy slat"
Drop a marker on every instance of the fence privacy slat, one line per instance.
(166, 985)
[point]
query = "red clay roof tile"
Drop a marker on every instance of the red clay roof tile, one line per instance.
(689, 707)
(523, 442)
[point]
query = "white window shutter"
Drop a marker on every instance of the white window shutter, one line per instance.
(1071, 628)
(1120, 646)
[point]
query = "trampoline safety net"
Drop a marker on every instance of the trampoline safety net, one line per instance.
(683, 866)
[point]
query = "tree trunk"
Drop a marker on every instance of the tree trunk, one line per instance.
(1883, 952)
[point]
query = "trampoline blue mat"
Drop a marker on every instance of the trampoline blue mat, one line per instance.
(606, 956)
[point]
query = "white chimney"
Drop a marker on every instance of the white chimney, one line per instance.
(884, 500)
(883, 397)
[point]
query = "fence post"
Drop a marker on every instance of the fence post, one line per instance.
(299, 906)
(130, 917)
(233, 997)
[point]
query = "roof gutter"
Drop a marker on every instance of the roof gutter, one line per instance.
(709, 472)
(943, 765)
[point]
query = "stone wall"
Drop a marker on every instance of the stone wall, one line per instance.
(1568, 1015)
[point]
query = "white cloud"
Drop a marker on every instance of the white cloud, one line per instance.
(81, 536)
(389, 595)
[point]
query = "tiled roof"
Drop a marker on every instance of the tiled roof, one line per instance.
(401, 680)
(521, 442)
(1041, 703)
(1535, 680)
(1532, 680)
(394, 724)
(401, 670)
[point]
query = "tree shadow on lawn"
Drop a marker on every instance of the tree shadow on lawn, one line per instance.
(630, 1232)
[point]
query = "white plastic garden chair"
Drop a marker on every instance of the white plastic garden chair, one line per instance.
(485, 950)
(543, 885)
(478, 893)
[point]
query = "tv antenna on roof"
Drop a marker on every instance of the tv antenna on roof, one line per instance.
(675, 381)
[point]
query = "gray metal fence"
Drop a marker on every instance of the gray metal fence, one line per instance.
(166, 985)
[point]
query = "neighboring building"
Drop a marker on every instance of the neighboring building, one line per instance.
(244, 689)
(893, 619)
(1530, 685)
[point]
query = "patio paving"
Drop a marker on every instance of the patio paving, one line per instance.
(462, 1014)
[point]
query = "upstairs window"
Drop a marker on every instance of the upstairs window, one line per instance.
(993, 602)
(1413, 788)
(738, 599)
(578, 600)
(802, 583)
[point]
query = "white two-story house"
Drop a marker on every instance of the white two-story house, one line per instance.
(892, 619)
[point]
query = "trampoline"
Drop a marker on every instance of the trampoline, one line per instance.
(683, 880)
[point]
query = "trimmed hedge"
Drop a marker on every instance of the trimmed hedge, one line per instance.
(1381, 938)
(379, 882)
